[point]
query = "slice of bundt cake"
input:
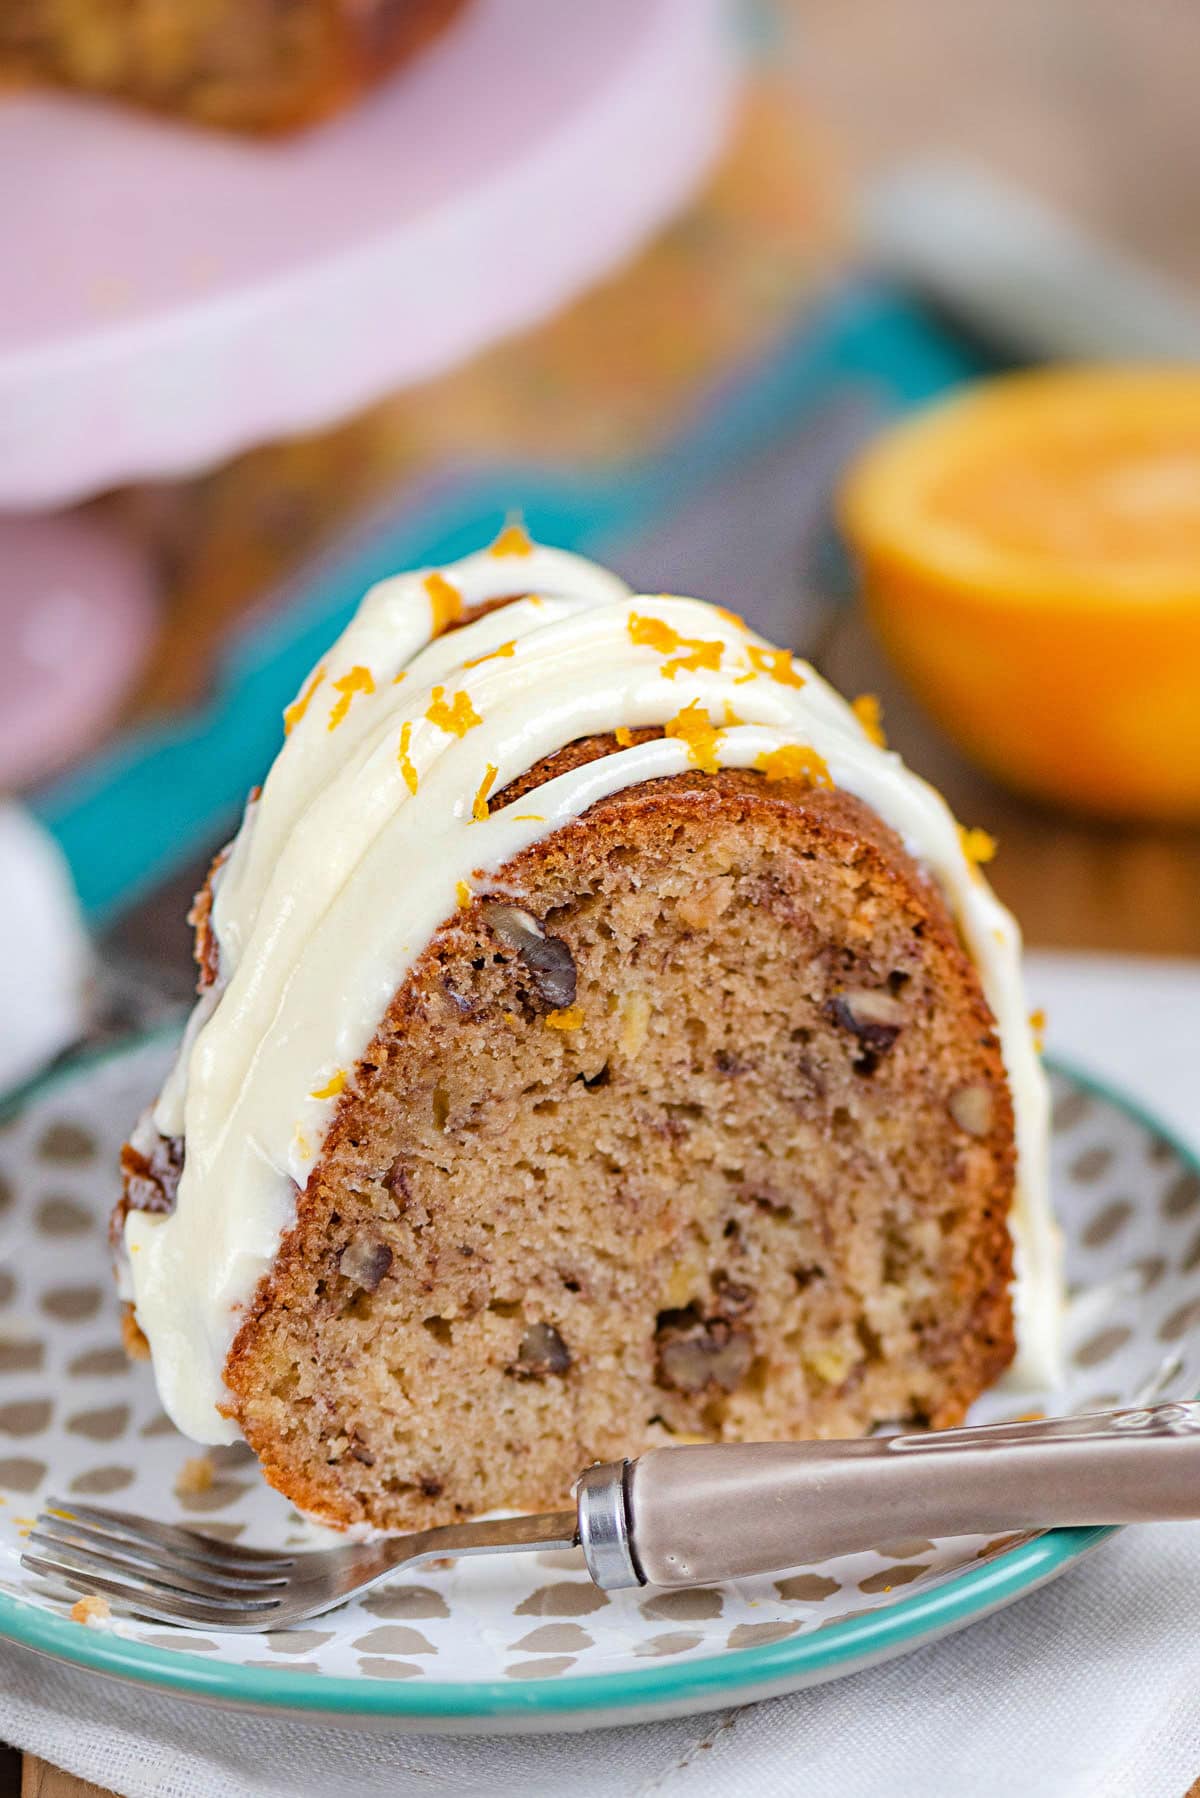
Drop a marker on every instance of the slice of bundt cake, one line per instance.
(238, 66)
(603, 1040)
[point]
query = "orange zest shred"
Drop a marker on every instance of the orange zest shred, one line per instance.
(699, 655)
(357, 680)
(795, 761)
(1037, 1023)
(652, 633)
(513, 540)
(293, 713)
(869, 712)
(777, 663)
(446, 602)
(693, 727)
(528, 818)
(570, 1018)
(505, 649)
(731, 717)
(623, 735)
(332, 1087)
(463, 893)
(977, 845)
(733, 618)
(457, 717)
(479, 810)
(397, 678)
(402, 756)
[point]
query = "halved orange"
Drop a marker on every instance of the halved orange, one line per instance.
(1030, 556)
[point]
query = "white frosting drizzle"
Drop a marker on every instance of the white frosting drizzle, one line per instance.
(341, 874)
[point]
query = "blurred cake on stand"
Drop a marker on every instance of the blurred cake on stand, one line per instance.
(178, 297)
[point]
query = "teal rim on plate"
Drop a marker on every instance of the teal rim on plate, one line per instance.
(908, 1623)
(731, 1675)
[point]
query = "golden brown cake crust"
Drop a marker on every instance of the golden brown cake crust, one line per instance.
(776, 1209)
(242, 65)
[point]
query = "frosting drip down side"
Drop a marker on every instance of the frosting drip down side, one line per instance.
(374, 824)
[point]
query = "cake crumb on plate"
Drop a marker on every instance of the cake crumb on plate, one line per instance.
(195, 1476)
(92, 1611)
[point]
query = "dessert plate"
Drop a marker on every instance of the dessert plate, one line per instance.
(522, 1642)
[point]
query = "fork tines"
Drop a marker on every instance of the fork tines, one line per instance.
(157, 1570)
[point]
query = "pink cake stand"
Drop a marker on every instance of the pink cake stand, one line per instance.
(172, 296)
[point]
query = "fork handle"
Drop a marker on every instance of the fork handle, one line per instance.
(684, 1516)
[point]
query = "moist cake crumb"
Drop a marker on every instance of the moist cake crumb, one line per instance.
(759, 1189)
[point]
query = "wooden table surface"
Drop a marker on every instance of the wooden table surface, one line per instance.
(40, 1780)
(1033, 91)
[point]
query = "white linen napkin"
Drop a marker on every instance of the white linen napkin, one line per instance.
(1089, 1688)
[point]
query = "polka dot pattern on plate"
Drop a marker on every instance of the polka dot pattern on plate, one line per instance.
(77, 1417)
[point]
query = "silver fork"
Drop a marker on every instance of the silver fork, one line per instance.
(674, 1517)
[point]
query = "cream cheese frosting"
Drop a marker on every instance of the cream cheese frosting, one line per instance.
(372, 826)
